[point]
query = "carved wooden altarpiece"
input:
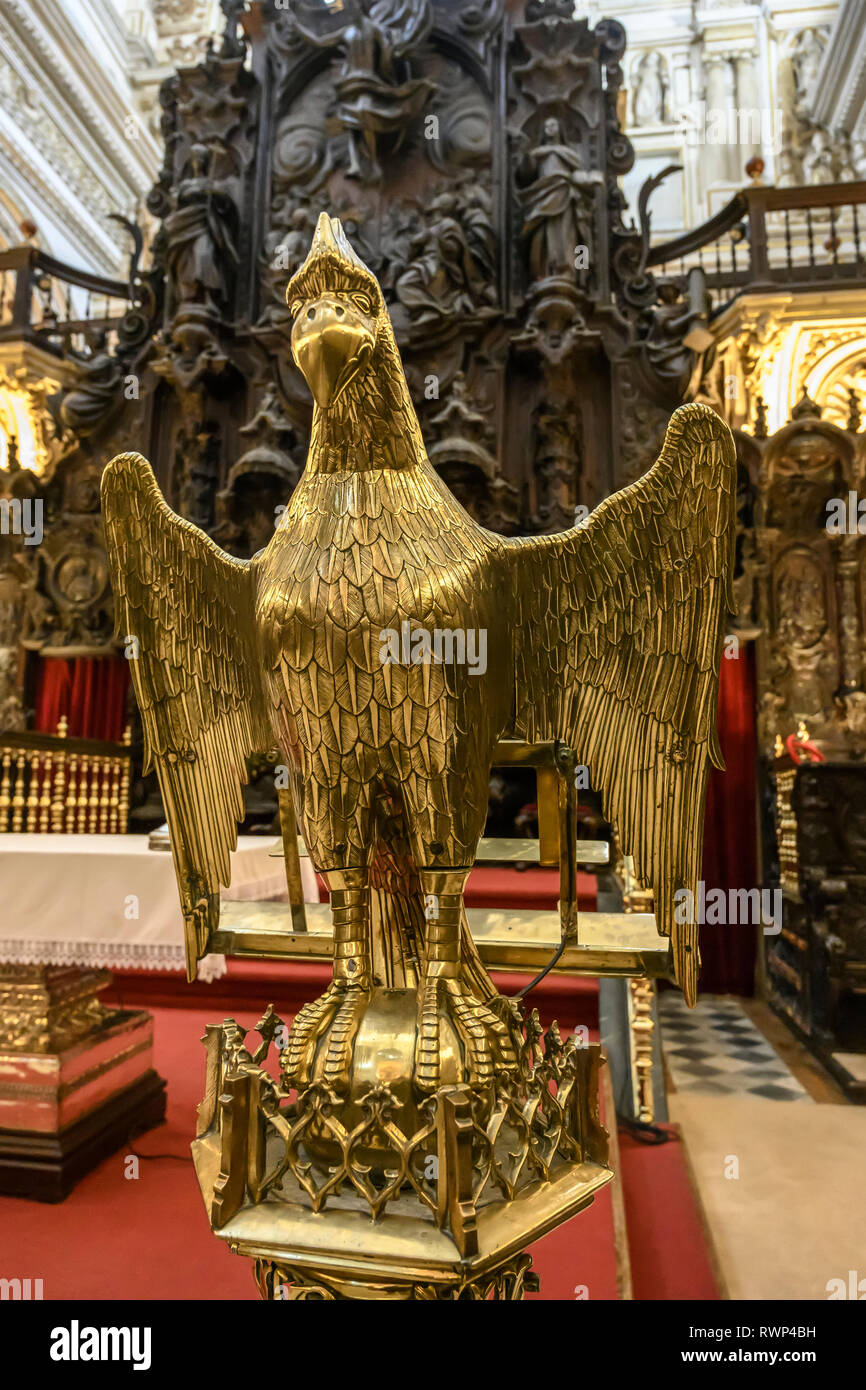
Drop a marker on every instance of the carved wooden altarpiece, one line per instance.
(802, 594)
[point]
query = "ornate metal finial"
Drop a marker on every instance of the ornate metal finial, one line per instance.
(754, 169)
(806, 408)
(854, 417)
(760, 427)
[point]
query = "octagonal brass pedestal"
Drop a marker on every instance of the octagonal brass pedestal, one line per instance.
(345, 1198)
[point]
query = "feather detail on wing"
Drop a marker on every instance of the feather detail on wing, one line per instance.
(185, 611)
(617, 652)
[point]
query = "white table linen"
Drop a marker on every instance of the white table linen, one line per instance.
(110, 901)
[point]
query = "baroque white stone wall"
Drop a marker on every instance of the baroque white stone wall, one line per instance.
(79, 116)
(709, 85)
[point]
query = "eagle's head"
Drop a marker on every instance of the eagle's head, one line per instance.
(344, 345)
(338, 311)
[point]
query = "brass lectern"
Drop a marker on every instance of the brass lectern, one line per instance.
(411, 1133)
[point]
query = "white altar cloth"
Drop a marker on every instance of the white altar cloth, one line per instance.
(110, 901)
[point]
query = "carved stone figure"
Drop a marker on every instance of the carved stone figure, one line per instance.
(806, 64)
(650, 92)
(846, 173)
(818, 159)
(787, 167)
(201, 252)
(375, 97)
(557, 196)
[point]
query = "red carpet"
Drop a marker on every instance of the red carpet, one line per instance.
(669, 1255)
(492, 886)
(250, 985)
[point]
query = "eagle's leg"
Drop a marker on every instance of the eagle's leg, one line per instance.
(485, 1038)
(353, 973)
(339, 1009)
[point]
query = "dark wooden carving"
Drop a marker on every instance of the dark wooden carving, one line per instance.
(802, 580)
(473, 153)
(816, 967)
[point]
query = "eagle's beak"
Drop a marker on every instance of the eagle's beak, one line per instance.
(331, 341)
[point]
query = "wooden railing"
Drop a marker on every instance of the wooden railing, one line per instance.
(53, 784)
(766, 238)
(38, 300)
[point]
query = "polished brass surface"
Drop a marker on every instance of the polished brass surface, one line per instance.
(47, 1008)
(385, 645)
(611, 943)
(291, 853)
(50, 783)
(641, 1026)
(606, 637)
(495, 850)
(553, 764)
(280, 1280)
(456, 1186)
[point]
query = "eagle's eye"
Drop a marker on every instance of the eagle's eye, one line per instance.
(363, 301)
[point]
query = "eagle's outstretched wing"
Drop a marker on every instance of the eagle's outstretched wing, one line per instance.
(189, 610)
(617, 650)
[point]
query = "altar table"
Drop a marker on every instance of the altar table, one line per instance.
(109, 901)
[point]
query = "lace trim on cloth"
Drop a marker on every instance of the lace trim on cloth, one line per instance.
(109, 955)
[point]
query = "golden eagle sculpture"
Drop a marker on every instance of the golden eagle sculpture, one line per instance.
(607, 637)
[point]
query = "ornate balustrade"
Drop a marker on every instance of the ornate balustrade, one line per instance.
(53, 784)
(790, 238)
(58, 307)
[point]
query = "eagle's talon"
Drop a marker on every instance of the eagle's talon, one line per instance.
(342, 1036)
(487, 1044)
(309, 1025)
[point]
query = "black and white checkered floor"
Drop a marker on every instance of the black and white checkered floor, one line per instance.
(716, 1050)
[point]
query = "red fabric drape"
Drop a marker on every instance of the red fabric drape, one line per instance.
(89, 690)
(730, 850)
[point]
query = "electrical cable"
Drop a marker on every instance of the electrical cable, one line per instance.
(522, 993)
